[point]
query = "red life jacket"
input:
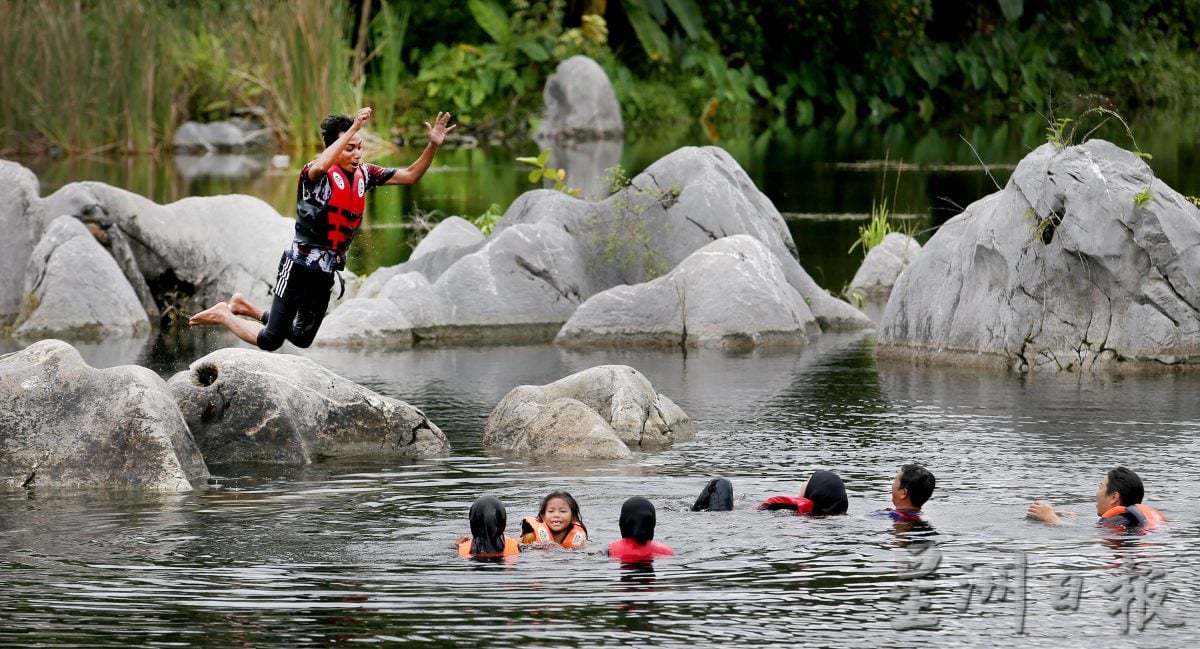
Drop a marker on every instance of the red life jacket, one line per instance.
(630, 551)
(1137, 516)
(510, 547)
(540, 533)
(798, 504)
(334, 224)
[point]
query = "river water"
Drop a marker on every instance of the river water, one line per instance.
(362, 552)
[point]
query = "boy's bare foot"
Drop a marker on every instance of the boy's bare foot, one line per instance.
(214, 315)
(239, 305)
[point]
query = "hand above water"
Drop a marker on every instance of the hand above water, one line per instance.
(1045, 512)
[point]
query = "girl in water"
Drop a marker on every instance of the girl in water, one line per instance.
(823, 494)
(487, 538)
(558, 522)
(637, 534)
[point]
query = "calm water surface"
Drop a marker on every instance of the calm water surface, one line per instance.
(362, 552)
(340, 553)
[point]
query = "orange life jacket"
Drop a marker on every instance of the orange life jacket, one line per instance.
(540, 533)
(1137, 516)
(798, 504)
(334, 224)
(510, 547)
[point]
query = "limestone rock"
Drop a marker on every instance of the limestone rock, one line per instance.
(205, 247)
(246, 405)
(883, 265)
(76, 290)
(66, 424)
(730, 294)
(22, 221)
(1064, 269)
(580, 103)
(548, 420)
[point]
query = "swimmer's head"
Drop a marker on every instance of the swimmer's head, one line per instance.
(912, 485)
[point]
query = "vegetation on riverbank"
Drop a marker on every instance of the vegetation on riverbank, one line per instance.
(121, 75)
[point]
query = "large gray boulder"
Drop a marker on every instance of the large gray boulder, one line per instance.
(66, 424)
(588, 165)
(366, 322)
(202, 247)
(730, 294)
(246, 405)
(75, 289)
(579, 104)
(1066, 268)
(451, 232)
(550, 252)
(229, 136)
(882, 266)
(22, 221)
(551, 419)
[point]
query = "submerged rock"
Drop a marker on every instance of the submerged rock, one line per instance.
(75, 289)
(66, 424)
(600, 413)
(730, 294)
(1083, 261)
(579, 104)
(246, 405)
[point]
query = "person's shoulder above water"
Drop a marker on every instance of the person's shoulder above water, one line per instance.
(1118, 504)
(637, 534)
(488, 518)
(557, 524)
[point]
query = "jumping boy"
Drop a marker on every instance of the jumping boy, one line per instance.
(330, 200)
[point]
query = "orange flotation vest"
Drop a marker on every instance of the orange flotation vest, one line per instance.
(511, 547)
(334, 224)
(539, 532)
(630, 551)
(1138, 516)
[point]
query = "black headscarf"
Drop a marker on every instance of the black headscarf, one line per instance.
(487, 525)
(828, 493)
(717, 496)
(637, 520)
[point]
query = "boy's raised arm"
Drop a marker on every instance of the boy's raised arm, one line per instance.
(329, 156)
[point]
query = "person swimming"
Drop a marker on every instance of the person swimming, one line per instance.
(487, 538)
(1118, 504)
(823, 494)
(911, 489)
(717, 496)
(637, 534)
(558, 522)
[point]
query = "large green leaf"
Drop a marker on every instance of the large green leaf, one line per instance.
(690, 17)
(649, 34)
(533, 49)
(492, 18)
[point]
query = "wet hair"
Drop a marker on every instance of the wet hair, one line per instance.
(918, 481)
(1127, 484)
(333, 126)
(574, 506)
(716, 496)
(827, 492)
(487, 518)
(637, 520)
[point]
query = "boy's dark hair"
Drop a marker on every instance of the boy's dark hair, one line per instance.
(918, 481)
(1127, 484)
(333, 126)
(574, 506)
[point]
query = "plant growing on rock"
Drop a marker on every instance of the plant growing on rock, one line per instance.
(540, 171)
(487, 221)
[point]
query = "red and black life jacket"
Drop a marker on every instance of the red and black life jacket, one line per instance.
(1137, 516)
(333, 225)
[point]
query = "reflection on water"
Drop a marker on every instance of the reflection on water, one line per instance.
(363, 551)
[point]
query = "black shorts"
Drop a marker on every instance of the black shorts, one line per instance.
(301, 299)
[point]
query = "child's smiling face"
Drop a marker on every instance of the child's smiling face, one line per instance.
(558, 515)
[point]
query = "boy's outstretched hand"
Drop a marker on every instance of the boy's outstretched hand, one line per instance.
(437, 132)
(362, 116)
